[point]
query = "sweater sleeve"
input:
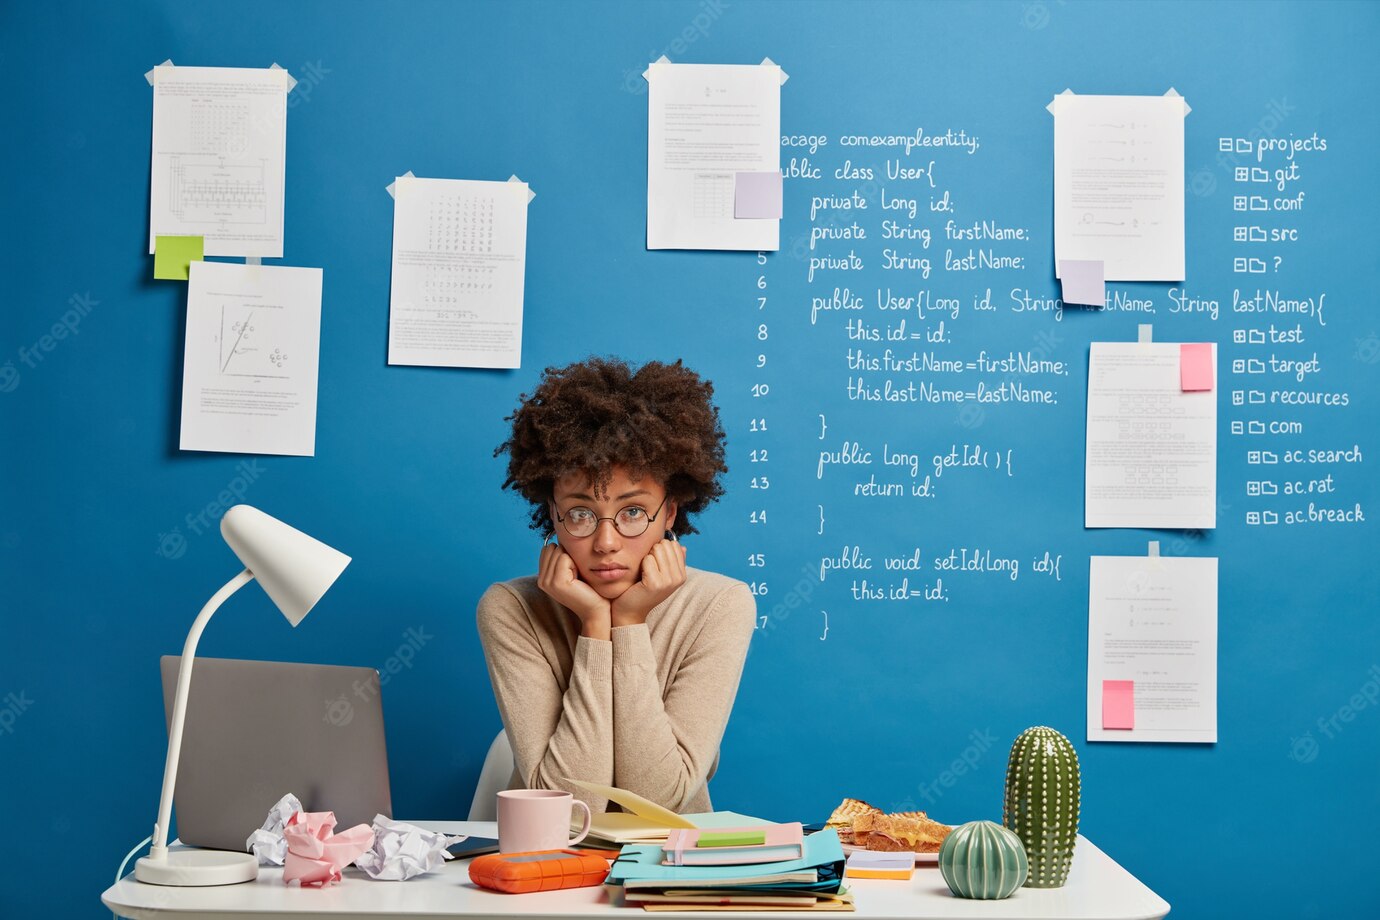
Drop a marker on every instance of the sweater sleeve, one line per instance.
(553, 733)
(663, 749)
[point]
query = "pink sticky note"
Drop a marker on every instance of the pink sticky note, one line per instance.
(1083, 281)
(1195, 366)
(1119, 704)
(757, 195)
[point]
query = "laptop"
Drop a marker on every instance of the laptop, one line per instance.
(257, 730)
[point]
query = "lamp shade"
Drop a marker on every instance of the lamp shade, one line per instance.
(294, 569)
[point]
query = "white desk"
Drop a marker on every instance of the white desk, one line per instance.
(1097, 888)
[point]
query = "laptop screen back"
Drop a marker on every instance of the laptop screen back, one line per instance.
(257, 730)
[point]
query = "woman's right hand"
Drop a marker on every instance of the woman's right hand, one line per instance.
(558, 578)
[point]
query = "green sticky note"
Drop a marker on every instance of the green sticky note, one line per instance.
(172, 255)
(732, 839)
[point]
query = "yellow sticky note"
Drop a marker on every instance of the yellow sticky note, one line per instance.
(172, 255)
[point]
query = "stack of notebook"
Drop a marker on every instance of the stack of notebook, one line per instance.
(644, 821)
(762, 866)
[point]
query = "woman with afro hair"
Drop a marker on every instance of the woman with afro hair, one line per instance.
(616, 663)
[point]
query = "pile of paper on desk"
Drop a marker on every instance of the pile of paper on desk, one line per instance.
(658, 878)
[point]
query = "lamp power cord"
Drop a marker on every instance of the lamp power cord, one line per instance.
(120, 872)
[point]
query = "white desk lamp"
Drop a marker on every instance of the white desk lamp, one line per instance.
(295, 571)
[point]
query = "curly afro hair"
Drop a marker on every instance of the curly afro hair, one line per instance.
(591, 416)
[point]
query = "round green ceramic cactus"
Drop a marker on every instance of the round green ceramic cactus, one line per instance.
(1041, 806)
(982, 859)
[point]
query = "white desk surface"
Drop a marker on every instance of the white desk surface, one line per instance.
(1097, 888)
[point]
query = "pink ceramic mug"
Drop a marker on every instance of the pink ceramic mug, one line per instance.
(537, 819)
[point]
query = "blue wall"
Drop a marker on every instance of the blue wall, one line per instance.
(107, 531)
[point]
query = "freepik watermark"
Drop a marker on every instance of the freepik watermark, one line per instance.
(79, 306)
(798, 596)
(971, 415)
(1189, 539)
(694, 30)
(1035, 16)
(1203, 181)
(980, 741)
(1305, 749)
(173, 544)
(341, 710)
(311, 76)
(414, 640)
(1367, 350)
(12, 707)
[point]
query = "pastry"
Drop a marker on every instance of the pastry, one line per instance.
(848, 810)
(842, 818)
(866, 826)
(896, 833)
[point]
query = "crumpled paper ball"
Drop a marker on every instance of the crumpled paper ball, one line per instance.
(267, 842)
(315, 855)
(401, 851)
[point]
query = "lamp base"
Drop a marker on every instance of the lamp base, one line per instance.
(198, 868)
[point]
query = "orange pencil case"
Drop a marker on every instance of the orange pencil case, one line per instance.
(543, 870)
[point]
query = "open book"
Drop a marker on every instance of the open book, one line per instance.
(644, 821)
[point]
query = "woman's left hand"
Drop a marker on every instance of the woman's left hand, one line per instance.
(663, 571)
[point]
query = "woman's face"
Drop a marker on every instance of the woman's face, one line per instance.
(610, 562)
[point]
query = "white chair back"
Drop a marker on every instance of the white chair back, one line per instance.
(493, 778)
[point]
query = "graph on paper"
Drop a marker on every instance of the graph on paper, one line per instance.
(251, 345)
(249, 369)
(219, 143)
(215, 193)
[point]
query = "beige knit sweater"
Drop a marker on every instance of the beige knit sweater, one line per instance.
(643, 711)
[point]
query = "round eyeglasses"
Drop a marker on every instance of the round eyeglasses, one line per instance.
(631, 521)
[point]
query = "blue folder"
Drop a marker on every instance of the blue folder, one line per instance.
(822, 853)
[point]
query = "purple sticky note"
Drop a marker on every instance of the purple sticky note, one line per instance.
(1119, 704)
(1195, 366)
(1083, 281)
(757, 195)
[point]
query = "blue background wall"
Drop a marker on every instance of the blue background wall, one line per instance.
(104, 561)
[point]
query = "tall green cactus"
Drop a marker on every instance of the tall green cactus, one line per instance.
(1041, 805)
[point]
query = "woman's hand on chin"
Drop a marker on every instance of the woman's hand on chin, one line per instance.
(559, 579)
(663, 571)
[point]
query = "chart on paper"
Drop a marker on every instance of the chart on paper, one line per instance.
(215, 194)
(249, 345)
(217, 163)
(249, 374)
(459, 249)
(458, 226)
